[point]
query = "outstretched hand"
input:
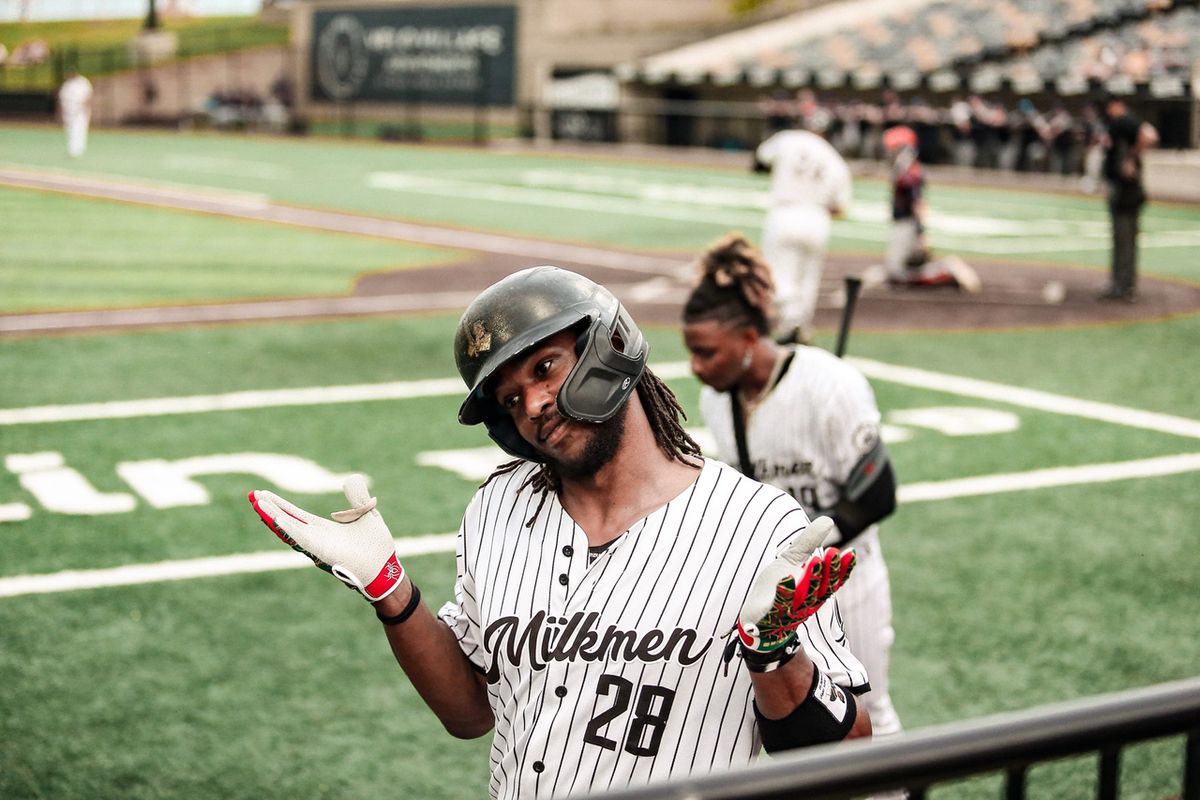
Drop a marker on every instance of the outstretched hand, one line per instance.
(788, 591)
(356, 547)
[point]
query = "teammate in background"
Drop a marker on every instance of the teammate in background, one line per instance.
(908, 261)
(810, 183)
(601, 574)
(75, 106)
(1126, 140)
(805, 421)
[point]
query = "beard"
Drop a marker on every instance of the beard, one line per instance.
(599, 450)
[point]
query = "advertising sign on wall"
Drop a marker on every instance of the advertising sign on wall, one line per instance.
(461, 55)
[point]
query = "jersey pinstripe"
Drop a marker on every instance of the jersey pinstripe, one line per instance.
(616, 673)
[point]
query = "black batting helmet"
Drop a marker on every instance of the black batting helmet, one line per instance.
(515, 314)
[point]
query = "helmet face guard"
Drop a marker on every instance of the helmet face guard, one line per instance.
(519, 312)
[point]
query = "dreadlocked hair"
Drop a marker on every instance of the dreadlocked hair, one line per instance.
(735, 286)
(665, 415)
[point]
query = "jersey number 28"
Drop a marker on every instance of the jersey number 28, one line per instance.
(645, 718)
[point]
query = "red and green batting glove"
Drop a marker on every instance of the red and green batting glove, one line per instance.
(356, 547)
(788, 591)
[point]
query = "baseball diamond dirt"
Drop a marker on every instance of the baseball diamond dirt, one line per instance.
(653, 285)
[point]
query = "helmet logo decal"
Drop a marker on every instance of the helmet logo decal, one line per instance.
(625, 384)
(478, 339)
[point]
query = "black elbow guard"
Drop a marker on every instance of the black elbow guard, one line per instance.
(826, 715)
(869, 494)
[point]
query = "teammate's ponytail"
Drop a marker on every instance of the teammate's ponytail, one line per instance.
(734, 286)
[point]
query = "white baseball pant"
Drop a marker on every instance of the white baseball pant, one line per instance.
(866, 605)
(795, 238)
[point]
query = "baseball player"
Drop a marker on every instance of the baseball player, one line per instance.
(625, 611)
(75, 105)
(805, 421)
(908, 261)
(810, 183)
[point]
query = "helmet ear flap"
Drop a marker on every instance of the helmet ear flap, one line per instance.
(604, 376)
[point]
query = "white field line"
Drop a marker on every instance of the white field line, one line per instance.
(185, 569)
(1029, 398)
(99, 185)
(723, 206)
(232, 312)
(223, 165)
(1048, 478)
(279, 559)
(233, 401)
(406, 390)
(259, 207)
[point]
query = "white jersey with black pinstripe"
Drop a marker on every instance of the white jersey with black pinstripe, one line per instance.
(806, 433)
(615, 672)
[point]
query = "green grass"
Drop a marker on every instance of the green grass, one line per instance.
(69, 252)
(246, 685)
(259, 686)
(99, 47)
(658, 207)
(420, 129)
(281, 683)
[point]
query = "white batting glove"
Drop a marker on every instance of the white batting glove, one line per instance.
(788, 591)
(357, 548)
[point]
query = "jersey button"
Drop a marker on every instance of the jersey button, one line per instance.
(561, 691)
(538, 766)
(562, 579)
(568, 551)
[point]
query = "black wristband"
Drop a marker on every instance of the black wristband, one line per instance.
(769, 662)
(413, 602)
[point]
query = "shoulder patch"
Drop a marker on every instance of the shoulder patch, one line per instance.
(865, 437)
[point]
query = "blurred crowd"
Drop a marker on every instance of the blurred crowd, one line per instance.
(970, 131)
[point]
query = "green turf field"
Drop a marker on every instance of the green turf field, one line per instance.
(279, 683)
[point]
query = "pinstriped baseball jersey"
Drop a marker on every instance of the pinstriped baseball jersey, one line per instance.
(806, 434)
(616, 672)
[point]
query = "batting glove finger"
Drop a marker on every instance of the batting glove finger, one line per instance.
(356, 546)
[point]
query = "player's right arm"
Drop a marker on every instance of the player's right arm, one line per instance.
(430, 656)
(357, 548)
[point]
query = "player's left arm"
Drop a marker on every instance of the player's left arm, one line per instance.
(795, 704)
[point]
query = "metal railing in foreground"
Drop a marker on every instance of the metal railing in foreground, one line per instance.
(1008, 743)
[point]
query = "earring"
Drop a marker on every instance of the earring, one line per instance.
(746, 359)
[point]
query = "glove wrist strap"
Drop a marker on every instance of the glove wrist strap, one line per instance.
(769, 662)
(413, 602)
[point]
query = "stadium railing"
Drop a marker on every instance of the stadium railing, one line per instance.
(1008, 743)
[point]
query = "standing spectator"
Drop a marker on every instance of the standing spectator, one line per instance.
(960, 121)
(810, 183)
(75, 105)
(1128, 138)
(778, 110)
(1060, 134)
(1094, 136)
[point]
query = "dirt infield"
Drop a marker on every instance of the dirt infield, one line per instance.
(654, 286)
(1012, 295)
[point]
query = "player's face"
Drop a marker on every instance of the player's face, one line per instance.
(718, 352)
(527, 388)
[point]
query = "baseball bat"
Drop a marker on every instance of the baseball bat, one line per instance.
(853, 285)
